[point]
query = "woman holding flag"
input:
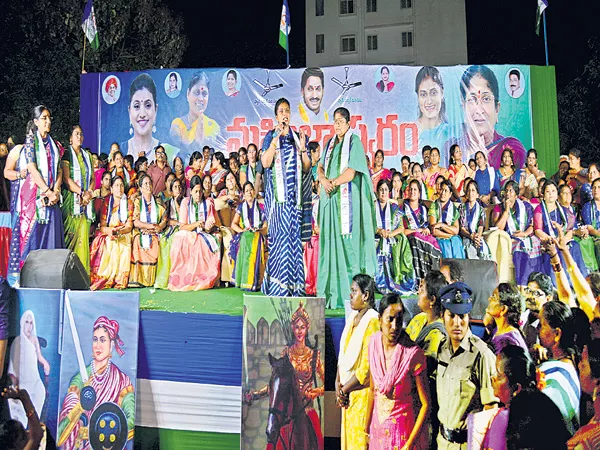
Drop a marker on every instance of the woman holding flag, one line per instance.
(346, 214)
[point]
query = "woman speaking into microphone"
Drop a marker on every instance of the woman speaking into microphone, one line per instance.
(286, 162)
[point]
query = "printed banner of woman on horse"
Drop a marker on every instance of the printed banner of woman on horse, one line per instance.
(283, 373)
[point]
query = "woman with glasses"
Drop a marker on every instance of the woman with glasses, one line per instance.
(503, 312)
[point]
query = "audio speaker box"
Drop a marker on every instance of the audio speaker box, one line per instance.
(54, 269)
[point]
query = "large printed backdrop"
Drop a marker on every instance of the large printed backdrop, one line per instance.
(417, 106)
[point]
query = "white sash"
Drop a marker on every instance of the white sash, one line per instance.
(348, 358)
(449, 212)
(410, 216)
(253, 222)
(546, 214)
(148, 217)
(386, 225)
(519, 224)
(123, 209)
(21, 164)
(250, 173)
(492, 175)
(472, 225)
(315, 209)
(279, 172)
(345, 189)
(197, 213)
(77, 177)
(173, 211)
(42, 214)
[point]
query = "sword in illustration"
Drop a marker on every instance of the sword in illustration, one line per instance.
(267, 87)
(346, 85)
(87, 396)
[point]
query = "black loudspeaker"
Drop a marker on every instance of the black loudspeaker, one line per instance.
(482, 277)
(54, 269)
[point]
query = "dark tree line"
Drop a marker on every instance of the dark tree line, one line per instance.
(42, 46)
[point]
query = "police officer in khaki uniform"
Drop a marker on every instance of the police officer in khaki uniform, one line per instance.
(464, 371)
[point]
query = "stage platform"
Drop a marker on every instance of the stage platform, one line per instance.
(190, 369)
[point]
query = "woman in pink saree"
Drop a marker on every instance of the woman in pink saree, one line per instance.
(398, 369)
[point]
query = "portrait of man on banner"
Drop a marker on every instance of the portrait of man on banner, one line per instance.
(97, 395)
(283, 373)
(312, 87)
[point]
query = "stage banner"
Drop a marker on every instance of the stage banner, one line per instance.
(398, 109)
(283, 372)
(34, 358)
(98, 370)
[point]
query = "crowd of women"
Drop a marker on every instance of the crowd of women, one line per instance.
(531, 381)
(191, 225)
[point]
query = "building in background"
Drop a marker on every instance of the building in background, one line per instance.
(406, 32)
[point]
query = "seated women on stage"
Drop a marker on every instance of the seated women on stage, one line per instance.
(218, 171)
(472, 224)
(487, 179)
(426, 252)
(248, 170)
(547, 216)
(195, 252)
(226, 204)
(110, 253)
(195, 167)
(208, 189)
(431, 174)
(248, 245)
(417, 174)
(166, 195)
(580, 232)
(585, 193)
(149, 221)
(590, 215)
(458, 171)
(507, 170)
(530, 176)
(379, 172)
(514, 236)
(118, 169)
(394, 258)
(444, 223)
(398, 187)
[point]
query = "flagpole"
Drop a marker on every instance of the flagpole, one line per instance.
(287, 45)
(83, 59)
(545, 36)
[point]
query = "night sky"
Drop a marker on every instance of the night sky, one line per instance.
(241, 34)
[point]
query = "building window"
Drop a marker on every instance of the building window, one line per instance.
(372, 42)
(407, 39)
(371, 6)
(320, 43)
(404, 4)
(320, 7)
(348, 44)
(346, 6)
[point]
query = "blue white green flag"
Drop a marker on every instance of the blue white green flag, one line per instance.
(89, 25)
(542, 5)
(284, 25)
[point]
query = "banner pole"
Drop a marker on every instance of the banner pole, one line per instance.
(287, 46)
(83, 58)
(545, 38)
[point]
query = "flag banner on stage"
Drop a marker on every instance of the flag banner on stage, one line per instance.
(541, 7)
(398, 109)
(284, 26)
(97, 393)
(33, 356)
(283, 372)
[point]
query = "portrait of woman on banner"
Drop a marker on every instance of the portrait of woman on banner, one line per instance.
(109, 383)
(25, 355)
(432, 120)
(195, 129)
(143, 111)
(480, 97)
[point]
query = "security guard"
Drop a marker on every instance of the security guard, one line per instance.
(464, 371)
